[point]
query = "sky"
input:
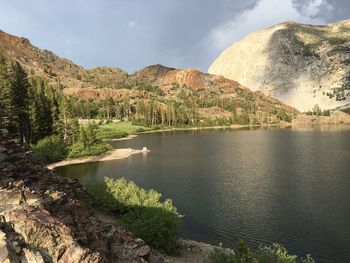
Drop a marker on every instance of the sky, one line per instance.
(132, 34)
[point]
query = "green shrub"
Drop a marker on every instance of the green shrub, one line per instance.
(79, 150)
(142, 211)
(51, 149)
(102, 198)
(156, 226)
(119, 129)
(88, 144)
(274, 253)
(220, 255)
(110, 134)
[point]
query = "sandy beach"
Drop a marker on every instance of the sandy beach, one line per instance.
(111, 155)
(129, 137)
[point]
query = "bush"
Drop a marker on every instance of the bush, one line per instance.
(79, 150)
(102, 198)
(88, 144)
(119, 129)
(264, 254)
(51, 149)
(220, 255)
(141, 211)
(110, 134)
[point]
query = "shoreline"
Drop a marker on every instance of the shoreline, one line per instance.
(115, 154)
(223, 127)
(245, 126)
(129, 137)
(123, 153)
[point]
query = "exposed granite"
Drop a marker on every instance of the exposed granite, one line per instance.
(47, 218)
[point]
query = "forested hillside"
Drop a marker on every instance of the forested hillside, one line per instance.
(42, 94)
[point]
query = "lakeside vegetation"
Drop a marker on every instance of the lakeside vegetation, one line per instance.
(39, 115)
(53, 148)
(120, 129)
(158, 222)
(141, 211)
(274, 253)
(33, 107)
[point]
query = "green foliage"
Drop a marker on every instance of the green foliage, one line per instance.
(103, 199)
(87, 135)
(4, 93)
(274, 253)
(78, 150)
(317, 111)
(142, 211)
(340, 93)
(156, 226)
(51, 149)
(40, 111)
(115, 130)
(32, 110)
(68, 125)
(220, 255)
(282, 116)
(87, 143)
(18, 103)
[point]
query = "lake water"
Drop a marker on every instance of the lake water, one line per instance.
(263, 186)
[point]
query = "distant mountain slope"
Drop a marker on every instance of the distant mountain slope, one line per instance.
(211, 96)
(301, 65)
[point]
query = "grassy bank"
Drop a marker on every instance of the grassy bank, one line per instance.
(115, 130)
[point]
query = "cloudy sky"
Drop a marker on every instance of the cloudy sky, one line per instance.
(131, 34)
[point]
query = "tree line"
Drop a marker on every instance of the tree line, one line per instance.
(30, 109)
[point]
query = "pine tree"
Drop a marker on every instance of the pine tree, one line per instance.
(4, 93)
(68, 125)
(41, 114)
(53, 97)
(19, 115)
(83, 137)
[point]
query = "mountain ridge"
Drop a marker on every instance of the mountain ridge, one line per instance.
(214, 96)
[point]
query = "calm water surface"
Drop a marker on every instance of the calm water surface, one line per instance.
(263, 186)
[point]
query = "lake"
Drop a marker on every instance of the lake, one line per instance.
(290, 186)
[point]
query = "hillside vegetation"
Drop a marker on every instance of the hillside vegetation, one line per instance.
(156, 95)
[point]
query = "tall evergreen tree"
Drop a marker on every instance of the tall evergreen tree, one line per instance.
(4, 93)
(68, 126)
(20, 122)
(41, 114)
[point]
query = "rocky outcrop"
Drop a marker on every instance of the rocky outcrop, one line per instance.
(48, 218)
(301, 65)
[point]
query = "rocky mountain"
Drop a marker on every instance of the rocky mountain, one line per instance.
(301, 65)
(215, 96)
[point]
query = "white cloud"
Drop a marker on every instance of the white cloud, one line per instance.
(314, 7)
(264, 14)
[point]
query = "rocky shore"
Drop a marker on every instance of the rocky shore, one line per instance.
(47, 218)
